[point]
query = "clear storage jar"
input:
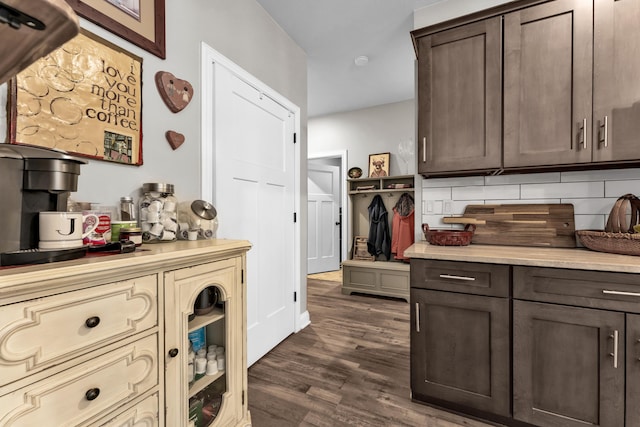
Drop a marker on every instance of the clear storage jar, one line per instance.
(158, 213)
(197, 220)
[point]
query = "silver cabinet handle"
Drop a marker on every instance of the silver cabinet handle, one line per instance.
(629, 294)
(449, 276)
(604, 126)
(424, 149)
(584, 133)
(615, 349)
(417, 317)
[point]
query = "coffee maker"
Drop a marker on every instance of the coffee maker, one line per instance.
(32, 180)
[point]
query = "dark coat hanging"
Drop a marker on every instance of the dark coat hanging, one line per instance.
(379, 241)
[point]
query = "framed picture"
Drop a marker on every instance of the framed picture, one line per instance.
(379, 165)
(141, 22)
(84, 98)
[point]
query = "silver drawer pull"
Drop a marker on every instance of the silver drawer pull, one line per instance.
(629, 294)
(417, 317)
(615, 349)
(470, 279)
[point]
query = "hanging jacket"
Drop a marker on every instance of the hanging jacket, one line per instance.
(402, 229)
(379, 241)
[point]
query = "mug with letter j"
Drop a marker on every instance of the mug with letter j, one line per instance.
(62, 230)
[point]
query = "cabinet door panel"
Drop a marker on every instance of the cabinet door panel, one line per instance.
(547, 84)
(460, 349)
(459, 98)
(616, 84)
(564, 372)
(633, 370)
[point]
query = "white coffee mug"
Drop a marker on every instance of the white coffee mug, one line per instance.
(60, 230)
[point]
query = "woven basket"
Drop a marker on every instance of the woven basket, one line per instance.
(615, 243)
(449, 237)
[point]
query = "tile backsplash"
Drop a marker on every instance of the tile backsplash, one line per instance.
(592, 193)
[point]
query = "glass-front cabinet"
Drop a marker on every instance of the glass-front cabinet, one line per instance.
(205, 346)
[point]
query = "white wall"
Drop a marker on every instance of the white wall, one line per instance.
(240, 30)
(373, 130)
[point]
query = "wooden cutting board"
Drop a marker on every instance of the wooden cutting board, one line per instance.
(550, 225)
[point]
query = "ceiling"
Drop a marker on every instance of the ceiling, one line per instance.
(334, 32)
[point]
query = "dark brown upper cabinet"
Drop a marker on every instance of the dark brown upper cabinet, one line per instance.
(566, 84)
(547, 84)
(459, 99)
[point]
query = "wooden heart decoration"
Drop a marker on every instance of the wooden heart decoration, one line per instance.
(175, 139)
(176, 93)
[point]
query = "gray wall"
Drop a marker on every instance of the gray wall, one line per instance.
(239, 29)
(242, 31)
(372, 130)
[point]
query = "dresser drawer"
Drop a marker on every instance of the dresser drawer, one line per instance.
(79, 395)
(45, 332)
(592, 289)
(459, 276)
(144, 414)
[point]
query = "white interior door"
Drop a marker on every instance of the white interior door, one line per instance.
(254, 197)
(323, 236)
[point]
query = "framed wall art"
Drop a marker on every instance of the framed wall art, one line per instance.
(142, 22)
(379, 165)
(84, 98)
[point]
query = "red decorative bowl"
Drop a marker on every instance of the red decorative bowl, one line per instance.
(449, 237)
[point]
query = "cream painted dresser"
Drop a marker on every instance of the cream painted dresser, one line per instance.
(103, 340)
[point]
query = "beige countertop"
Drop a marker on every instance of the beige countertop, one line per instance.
(578, 258)
(19, 280)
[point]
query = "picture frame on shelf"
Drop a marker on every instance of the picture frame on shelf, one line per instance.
(141, 22)
(379, 165)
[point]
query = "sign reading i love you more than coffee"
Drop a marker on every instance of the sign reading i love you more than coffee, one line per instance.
(84, 98)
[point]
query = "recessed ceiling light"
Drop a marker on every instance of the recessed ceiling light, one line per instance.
(361, 60)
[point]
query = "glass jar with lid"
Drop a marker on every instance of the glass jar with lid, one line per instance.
(158, 213)
(197, 220)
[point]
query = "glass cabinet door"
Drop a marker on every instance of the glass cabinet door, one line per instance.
(204, 355)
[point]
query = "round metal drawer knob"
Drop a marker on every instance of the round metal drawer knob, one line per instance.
(173, 352)
(92, 322)
(92, 394)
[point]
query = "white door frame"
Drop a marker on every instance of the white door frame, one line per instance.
(209, 57)
(343, 156)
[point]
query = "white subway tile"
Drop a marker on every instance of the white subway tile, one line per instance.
(443, 193)
(452, 182)
(498, 192)
(620, 188)
(434, 221)
(600, 175)
(522, 201)
(559, 190)
(591, 206)
(590, 222)
(529, 178)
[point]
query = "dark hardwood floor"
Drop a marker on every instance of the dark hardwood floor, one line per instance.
(350, 367)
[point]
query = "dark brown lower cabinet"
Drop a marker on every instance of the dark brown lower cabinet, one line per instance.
(568, 365)
(460, 350)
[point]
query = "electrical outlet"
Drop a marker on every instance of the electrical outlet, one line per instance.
(437, 207)
(447, 207)
(430, 206)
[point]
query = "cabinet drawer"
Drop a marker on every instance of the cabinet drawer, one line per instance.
(45, 332)
(596, 289)
(457, 276)
(79, 395)
(144, 414)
